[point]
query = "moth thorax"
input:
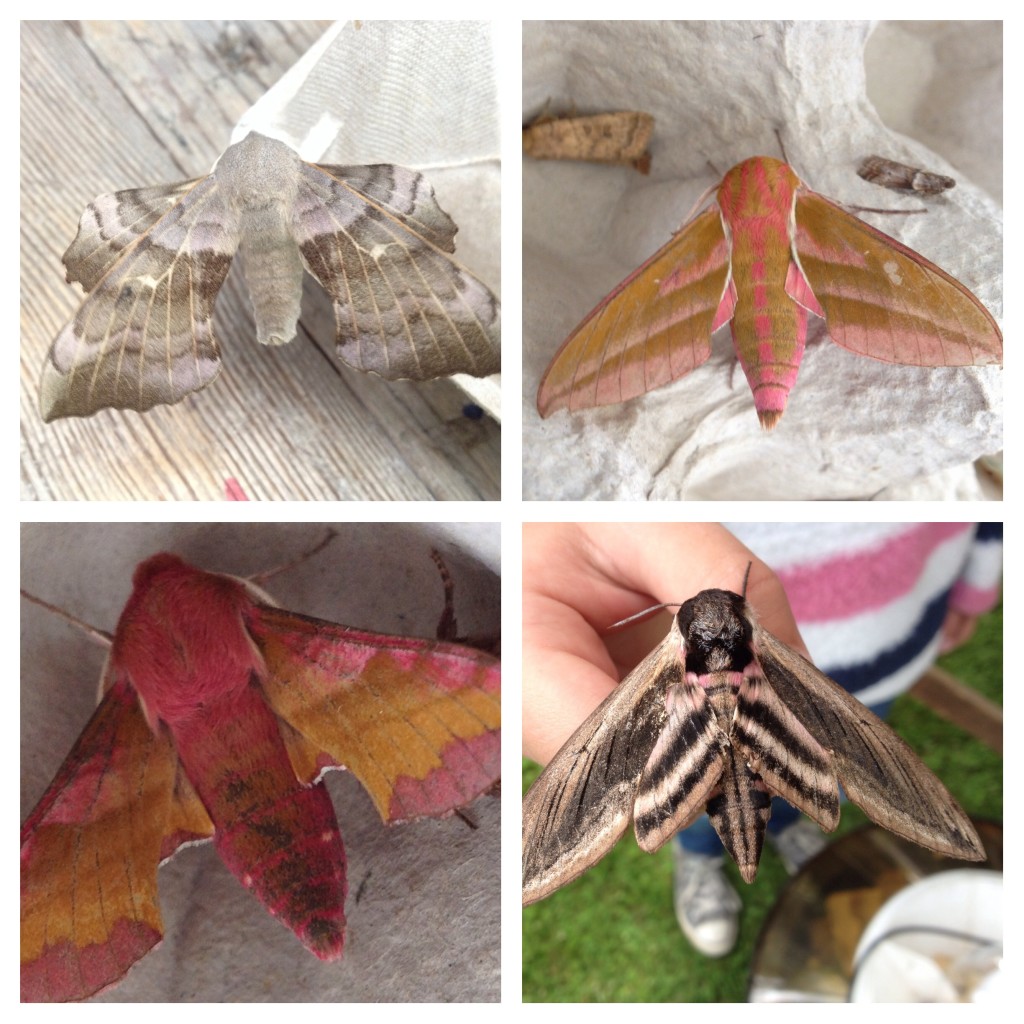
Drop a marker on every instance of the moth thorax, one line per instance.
(717, 632)
(722, 658)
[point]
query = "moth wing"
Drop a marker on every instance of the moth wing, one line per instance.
(404, 194)
(111, 223)
(878, 770)
(884, 300)
(788, 758)
(582, 802)
(416, 721)
(684, 767)
(143, 336)
(655, 327)
(378, 243)
(90, 852)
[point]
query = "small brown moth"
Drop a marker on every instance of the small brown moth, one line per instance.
(616, 138)
(154, 259)
(902, 177)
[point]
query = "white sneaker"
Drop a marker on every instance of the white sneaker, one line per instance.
(707, 906)
(798, 843)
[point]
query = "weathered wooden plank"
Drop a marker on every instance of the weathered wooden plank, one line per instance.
(959, 704)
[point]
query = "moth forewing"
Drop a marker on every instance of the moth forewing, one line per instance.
(878, 770)
(582, 802)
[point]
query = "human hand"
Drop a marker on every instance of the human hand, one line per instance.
(957, 629)
(579, 579)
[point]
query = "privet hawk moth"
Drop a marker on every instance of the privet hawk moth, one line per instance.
(720, 716)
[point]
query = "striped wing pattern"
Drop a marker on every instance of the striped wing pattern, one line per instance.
(685, 765)
(783, 753)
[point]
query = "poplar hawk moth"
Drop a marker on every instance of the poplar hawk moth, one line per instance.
(153, 261)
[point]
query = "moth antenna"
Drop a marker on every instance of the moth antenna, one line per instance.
(704, 197)
(262, 577)
(447, 627)
(878, 209)
(746, 575)
(782, 148)
(362, 885)
(643, 614)
(99, 635)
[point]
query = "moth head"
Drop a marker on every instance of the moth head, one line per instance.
(717, 630)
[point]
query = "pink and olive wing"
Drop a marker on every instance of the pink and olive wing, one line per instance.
(90, 852)
(144, 334)
(653, 328)
(884, 300)
(378, 242)
(416, 721)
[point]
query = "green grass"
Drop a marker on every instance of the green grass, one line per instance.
(612, 934)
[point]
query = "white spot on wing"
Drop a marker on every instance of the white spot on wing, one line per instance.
(892, 271)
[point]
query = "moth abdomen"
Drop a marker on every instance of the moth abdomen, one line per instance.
(739, 812)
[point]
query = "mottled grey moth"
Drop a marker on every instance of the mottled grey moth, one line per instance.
(902, 177)
(154, 259)
(720, 716)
